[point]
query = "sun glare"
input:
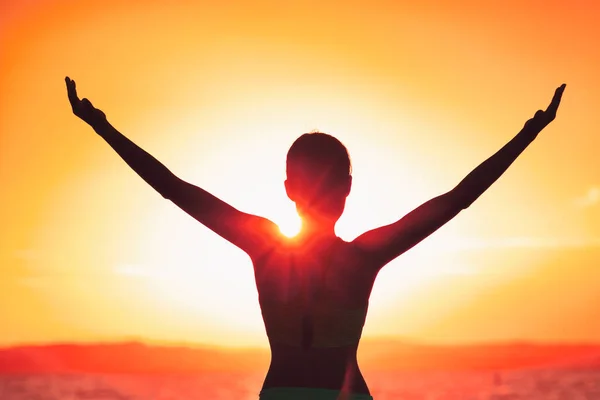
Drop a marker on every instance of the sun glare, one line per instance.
(290, 226)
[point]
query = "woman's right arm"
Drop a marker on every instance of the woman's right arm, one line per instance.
(388, 242)
(248, 232)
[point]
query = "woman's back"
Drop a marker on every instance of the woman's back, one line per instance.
(314, 298)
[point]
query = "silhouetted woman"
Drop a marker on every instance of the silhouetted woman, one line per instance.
(314, 288)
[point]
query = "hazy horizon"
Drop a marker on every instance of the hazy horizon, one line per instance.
(366, 341)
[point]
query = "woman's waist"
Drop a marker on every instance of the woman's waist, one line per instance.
(328, 357)
(332, 362)
(326, 371)
(302, 393)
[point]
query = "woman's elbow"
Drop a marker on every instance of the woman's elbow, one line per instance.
(460, 199)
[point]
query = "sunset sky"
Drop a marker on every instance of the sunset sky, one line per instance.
(421, 92)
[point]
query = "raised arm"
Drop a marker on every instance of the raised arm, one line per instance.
(249, 232)
(388, 242)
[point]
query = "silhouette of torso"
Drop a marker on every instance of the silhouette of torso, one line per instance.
(314, 299)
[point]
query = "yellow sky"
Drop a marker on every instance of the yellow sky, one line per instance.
(420, 94)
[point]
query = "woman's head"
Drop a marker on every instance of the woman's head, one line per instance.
(318, 176)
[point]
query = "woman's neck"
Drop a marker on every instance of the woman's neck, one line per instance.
(314, 232)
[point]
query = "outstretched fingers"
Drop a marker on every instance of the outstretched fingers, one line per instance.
(71, 91)
(553, 107)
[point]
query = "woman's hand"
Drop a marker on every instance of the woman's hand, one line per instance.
(83, 108)
(541, 119)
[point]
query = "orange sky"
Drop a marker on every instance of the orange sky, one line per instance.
(420, 92)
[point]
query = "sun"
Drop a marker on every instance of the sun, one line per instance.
(290, 225)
